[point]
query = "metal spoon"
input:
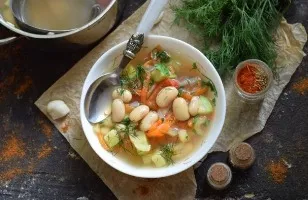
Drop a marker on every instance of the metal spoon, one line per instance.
(98, 97)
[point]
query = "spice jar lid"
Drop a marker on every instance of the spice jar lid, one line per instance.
(254, 87)
(242, 156)
(219, 176)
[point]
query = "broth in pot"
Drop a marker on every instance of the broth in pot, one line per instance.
(60, 14)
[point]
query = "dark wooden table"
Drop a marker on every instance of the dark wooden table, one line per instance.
(57, 172)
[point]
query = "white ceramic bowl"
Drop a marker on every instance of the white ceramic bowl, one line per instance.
(106, 62)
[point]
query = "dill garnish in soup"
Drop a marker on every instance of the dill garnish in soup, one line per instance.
(161, 112)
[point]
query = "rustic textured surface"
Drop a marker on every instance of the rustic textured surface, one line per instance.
(59, 176)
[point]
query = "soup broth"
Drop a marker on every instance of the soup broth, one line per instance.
(58, 14)
(172, 137)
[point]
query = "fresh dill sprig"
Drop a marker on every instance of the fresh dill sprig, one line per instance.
(167, 151)
(194, 66)
(238, 29)
(140, 73)
(163, 56)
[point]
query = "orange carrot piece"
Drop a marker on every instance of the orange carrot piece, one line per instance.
(155, 125)
(143, 95)
(190, 123)
(128, 108)
(186, 96)
(161, 129)
(145, 88)
(182, 125)
(155, 133)
(200, 91)
(149, 63)
(102, 141)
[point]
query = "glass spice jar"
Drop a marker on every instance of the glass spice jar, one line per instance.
(252, 79)
(219, 176)
(242, 156)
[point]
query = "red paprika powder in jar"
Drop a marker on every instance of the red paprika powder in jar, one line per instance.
(252, 79)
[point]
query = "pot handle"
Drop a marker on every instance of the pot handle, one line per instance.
(7, 40)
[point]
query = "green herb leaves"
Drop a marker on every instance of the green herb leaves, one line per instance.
(211, 85)
(163, 56)
(241, 29)
(194, 66)
(167, 151)
(163, 69)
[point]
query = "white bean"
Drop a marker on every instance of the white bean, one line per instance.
(148, 121)
(194, 106)
(117, 110)
(124, 95)
(138, 113)
(180, 109)
(166, 96)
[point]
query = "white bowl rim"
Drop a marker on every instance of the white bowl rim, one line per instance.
(198, 157)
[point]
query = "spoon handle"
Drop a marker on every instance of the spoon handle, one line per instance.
(151, 14)
(147, 22)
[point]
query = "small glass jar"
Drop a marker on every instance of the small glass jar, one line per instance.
(266, 72)
(219, 176)
(242, 156)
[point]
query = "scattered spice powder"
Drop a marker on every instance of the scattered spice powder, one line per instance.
(46, 128)
(14, 148)
(44, 151)
(10, 174)
(23, 88)
(278, 171)
(7, 83)
(64, 127)
(301, 86)
(252, 79)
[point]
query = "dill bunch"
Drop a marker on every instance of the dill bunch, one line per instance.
(238, 29)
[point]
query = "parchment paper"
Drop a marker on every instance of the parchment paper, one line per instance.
(242, 121)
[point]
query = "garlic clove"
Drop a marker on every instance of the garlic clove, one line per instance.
(57, 109)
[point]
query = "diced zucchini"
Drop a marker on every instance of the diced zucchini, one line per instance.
(107, 122)
(205, 106)
(183, 136)
(130, 71)
(157, 76)
(200, 124)
(158, 160)
(112, 138)
(140, 142)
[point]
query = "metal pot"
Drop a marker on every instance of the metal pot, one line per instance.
(82, 36)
